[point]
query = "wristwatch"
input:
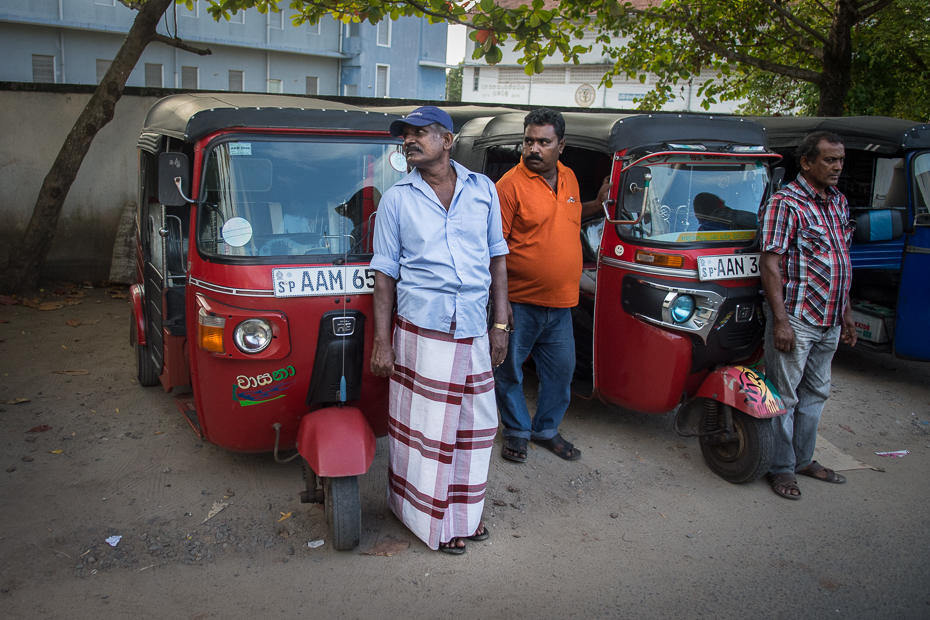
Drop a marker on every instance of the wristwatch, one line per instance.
(501, 326)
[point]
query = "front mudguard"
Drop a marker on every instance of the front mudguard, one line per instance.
(336, 441)
(745, 389)
(137, 301)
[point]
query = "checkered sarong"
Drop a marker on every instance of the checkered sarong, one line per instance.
(443, 418)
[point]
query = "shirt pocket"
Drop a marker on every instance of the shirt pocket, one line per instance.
(813, 240)
(475, 227)
(572, 210)
(849, 229)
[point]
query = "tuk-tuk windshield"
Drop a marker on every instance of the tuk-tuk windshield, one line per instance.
(270, 198)
(704, 200)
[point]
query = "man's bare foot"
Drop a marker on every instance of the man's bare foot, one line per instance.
(481, 533)
(455, 546)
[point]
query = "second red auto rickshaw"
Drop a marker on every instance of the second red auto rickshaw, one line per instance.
(670, 308)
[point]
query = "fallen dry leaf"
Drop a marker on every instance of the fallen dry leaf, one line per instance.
(215, 510)
(119, 296)
(50, 305)
(72, 373)
(285, 516)
(6, 300)
(39, 429)
(58, 451)
(73, 322)
(388, 547)
(3, 321)
(93, 322)
(846, 428)
(17, 401)
(27, 459)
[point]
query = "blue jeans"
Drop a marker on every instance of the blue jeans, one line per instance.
(802, 378)
(546, 333)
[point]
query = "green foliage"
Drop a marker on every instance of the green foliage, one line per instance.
(454, 83)
(733, 42)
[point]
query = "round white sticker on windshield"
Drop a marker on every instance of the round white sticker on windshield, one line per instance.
(398, 161)
(237, 231)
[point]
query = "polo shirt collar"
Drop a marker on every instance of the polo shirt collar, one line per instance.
(559, 166)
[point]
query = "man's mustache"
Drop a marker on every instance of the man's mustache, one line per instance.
(533, 157)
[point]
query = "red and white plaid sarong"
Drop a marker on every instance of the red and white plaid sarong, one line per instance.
(443, 418)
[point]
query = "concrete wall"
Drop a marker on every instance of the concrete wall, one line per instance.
(35, 125)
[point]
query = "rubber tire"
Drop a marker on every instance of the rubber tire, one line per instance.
(343, 511)
(746, 460)
(146, 372)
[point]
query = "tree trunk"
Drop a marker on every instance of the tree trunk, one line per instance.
(837, 61)
(27, 258)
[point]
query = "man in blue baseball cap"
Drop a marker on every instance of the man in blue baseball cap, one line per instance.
(439, 248)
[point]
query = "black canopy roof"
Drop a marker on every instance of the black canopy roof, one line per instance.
(878, 134)
(610, 133)
(192, 116)
(460, 114)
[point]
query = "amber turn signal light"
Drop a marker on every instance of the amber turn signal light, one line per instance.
(675, 261)
(210, 332)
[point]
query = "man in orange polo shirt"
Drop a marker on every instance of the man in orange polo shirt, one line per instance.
(541, 213)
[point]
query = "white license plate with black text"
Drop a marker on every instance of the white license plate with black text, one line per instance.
(728, 267)
(316, 281)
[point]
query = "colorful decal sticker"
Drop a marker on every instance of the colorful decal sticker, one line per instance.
(398, 161)
(237, 231)
(263, 388)
(721, 235)
(759, 392)
(723, 321)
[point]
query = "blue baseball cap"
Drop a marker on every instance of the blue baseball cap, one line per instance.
(421, 117)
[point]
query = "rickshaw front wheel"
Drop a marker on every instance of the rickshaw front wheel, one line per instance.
(343, 511)
(746, 454)
(146, 372)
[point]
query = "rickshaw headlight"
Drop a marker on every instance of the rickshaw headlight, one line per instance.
(253, 335)
(682, 308)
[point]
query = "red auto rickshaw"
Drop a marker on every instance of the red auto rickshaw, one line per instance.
(254, 239)
(670, 312)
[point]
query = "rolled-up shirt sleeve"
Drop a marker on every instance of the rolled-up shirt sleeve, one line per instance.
(497, 245)
(778, 225)
(386, 257)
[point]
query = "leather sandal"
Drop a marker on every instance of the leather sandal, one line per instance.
(819, 472)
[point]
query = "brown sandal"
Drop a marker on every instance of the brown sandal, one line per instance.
(818, 471)
(784, 484)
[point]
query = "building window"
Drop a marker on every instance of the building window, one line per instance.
(102, 66)
(276, 19)
(194, 12)
(274, 86)
(382, 80)
(105, 2)
(384, 33)
(236, 81)
(153, 76)
(237, 18)
(313, 85)
(350, 90)
(313, 28)
(512, 75)
(352, 29)
(477, 76)
(190, 78)
(43, 69)
(551, 75)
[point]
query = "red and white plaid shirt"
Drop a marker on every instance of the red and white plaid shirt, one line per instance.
(813, 237)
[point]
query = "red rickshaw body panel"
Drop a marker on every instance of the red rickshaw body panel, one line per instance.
(745, 389)
(238, 397)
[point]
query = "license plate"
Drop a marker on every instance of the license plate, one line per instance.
(317, 281)
(728, 267)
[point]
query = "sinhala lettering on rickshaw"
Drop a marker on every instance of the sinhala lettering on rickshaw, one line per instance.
(759, 392)
(260, 393)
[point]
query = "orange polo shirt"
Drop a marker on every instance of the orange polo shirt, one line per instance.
(543, 231)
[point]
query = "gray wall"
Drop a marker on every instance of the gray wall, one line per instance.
(35, 125)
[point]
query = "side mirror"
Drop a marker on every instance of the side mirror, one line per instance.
(778, 177)
(632, 187)
(172, 166)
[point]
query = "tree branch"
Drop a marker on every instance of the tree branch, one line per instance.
(181, 45)
(766, 65)
(796, 21)
(135, 6)
(868, 9)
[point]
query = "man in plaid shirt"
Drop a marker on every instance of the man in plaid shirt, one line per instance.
(805, 234)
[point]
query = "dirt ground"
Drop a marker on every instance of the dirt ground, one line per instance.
(638, 528)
